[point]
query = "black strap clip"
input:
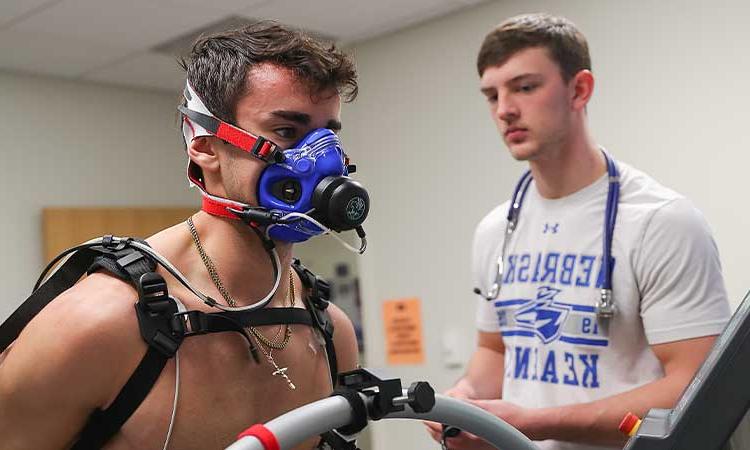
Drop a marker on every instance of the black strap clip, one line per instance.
(191, 323)
(274, 155)
(323, 321)
(155, 310)
(320, 290)
(319, 298)
(115, 245)
(259, 142)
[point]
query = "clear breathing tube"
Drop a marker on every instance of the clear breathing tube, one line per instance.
(287, 218)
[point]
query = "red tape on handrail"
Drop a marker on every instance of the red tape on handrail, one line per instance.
(263, 434)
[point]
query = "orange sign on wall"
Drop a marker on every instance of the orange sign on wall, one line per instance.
(402, 320)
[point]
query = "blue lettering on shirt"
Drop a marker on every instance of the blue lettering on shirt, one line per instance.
(550, 268)
(510, 270)
(570, 378)
(537, 263)
(590, 377)
(555, 367)
(523, 268)
(566, 274)
(522, 363)
(584, 277)
(550, 369)
(554, 268)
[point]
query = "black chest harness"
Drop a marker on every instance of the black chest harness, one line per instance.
(162, 326)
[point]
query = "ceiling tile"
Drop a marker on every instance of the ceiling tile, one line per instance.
(148, 70)
(228, 6)
(354, 19)
(184, 43)
(114, 41)
(134, 24)
(13, 10)
(53, 55)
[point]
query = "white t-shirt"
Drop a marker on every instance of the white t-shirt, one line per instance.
(667, 286)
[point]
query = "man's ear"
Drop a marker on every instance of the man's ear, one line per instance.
(582, 88)
(203, 152)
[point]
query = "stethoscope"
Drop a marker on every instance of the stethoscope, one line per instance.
(605, 306)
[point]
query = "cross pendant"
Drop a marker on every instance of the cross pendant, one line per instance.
(282, 372)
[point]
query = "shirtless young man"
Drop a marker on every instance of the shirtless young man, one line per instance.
(77, 354)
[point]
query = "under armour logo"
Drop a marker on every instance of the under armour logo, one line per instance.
(551, 228)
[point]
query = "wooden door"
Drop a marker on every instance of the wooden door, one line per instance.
(65, 227)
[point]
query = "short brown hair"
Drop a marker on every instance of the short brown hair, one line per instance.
(565, 43)
(218, 64)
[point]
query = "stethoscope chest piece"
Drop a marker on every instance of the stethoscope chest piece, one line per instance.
(605, 307)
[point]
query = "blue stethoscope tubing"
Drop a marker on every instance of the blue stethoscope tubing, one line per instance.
(605, 304)
(613, 199)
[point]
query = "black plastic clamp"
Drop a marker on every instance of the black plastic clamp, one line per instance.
(115, 245)
(155, 310)
(387, 395)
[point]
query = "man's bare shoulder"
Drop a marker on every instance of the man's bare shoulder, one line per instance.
(90, 328)
(76, 354)
(99, 304)
(344, 339)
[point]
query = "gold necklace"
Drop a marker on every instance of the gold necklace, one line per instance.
(260, 339)
(272, 343)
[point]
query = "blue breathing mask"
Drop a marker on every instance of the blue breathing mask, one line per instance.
(312, 184)
(302, 192)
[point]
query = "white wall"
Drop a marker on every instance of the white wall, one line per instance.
(672, 99)
(65, 143)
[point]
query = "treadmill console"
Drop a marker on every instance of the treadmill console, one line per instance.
(713, 405)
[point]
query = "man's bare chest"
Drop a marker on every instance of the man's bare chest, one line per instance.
(221, 391)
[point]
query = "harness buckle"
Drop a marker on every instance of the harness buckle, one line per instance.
(321, 292)
(190, 323)
(155, 310)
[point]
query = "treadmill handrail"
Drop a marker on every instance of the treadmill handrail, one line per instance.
(324, 415)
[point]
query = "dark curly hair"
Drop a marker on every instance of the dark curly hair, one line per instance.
(218, 64)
